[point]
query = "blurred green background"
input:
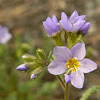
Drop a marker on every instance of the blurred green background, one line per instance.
(24, 19)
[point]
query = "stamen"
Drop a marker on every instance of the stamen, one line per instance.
(73, 64)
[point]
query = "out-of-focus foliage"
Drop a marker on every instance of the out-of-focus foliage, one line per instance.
(89, 92)
(15, 85)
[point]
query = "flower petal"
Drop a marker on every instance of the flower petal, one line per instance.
(78, 25)
(87, 65)
(63, 16)
(84, 29)
(66, 25)
(77, 79)
(62, 53)
(74, 15)
(51, 26)
(57, 67)
(47, 28)
(54, 19)
(79, 18)
(78, 51)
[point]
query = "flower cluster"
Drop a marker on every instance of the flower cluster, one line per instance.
(4, 35)
(72, 24)
(69, 60)
(33, 64)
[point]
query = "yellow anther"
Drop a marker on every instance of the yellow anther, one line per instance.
(73, 64)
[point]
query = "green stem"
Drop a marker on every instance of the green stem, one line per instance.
(66, 92)
(61, 82)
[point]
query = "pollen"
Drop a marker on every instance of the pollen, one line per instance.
(73, 64)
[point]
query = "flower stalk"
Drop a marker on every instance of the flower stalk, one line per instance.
(66, 92)
(61, 82)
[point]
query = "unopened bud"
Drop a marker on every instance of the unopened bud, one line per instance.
(36, 72)
(22, 67)
(41, 54)
(32, 65)
(67, 78)
(28, 58)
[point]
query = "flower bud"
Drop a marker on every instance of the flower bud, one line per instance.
(28, 58)
(36, 72)
(67, 78)
(32, 65)
(33, 76)
(41, 54)
(84, 29)
(22, 67)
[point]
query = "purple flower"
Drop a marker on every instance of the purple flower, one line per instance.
(73, 23)
(51, 25)
(22, 67)
(4, 35)
(84, 29)
(72, 62)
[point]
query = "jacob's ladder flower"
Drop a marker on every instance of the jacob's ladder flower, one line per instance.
(72, 63)
(51, 25)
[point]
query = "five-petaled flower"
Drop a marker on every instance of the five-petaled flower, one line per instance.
(72, 63)
(4, 35)
(51, 25)
(74, 23)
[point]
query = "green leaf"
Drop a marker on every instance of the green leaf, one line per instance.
(89, 92)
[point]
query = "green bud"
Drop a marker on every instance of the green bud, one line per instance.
(29, 58)
(31, 65)
(41, 54)
(36, 72)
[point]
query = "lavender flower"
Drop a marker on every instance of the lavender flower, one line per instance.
(73, 23)
(51, 25)
(72, 62)
(4, 35)
(22, 67)
(84, 29)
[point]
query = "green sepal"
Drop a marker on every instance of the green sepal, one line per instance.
(41, 54)
(37, 71)
(32, 65)
(73, 38)
(57, 39)
(29, 58)
(50, 56)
